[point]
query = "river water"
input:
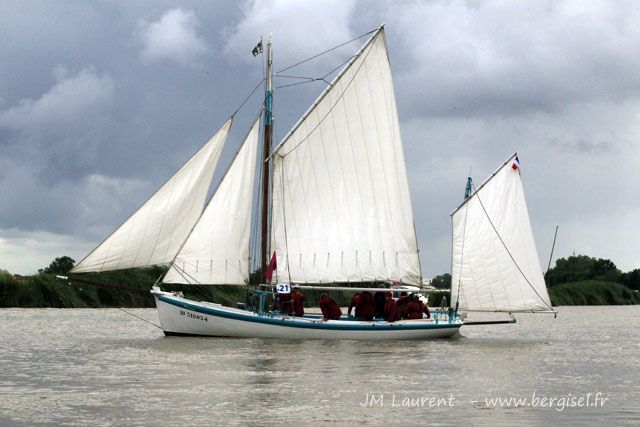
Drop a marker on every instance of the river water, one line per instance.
(104, 367)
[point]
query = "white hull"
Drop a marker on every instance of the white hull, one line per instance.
(180, 316)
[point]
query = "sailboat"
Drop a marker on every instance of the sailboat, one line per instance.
(336, 211)
(495, 265)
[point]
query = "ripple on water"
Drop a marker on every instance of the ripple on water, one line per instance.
(88, 367)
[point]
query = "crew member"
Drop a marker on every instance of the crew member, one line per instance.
(390, 308)
(402, 305)
(365, 306)
(415, 308)
(330, 309)
(355, 300)
(379, 301)
(297, 297)
(285, 303)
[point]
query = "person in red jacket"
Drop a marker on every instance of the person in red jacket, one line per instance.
(365, 306)
(355, 300)
(390, 308)
(297, 297)
(330, 310)
(402, 305)
(415, 308)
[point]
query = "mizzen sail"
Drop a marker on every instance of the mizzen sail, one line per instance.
(156, 231)
(341, 204)
(217, 251)
(495, 264)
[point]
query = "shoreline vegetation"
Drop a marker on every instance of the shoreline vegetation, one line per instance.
(576, 280)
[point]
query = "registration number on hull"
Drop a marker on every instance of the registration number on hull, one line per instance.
(195, 316)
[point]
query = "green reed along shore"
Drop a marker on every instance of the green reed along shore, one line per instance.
(576, 280)
(593, 292)
(45, 290)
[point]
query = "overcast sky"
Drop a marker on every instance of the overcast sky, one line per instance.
(100, 102)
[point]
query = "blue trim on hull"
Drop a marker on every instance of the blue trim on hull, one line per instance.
(378, 326)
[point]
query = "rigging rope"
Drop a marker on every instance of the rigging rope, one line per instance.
(321, 120)
(274, 128)
(284, 224)
(314, 79)
(464, 234)
(326, 51)
(184, 274)
(253, 242)
(105, 285)
(311, 80)
(138, 317)
(248, 96)
(255, 249)
(506, 248)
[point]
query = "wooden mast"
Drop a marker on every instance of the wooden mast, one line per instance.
(268, 133)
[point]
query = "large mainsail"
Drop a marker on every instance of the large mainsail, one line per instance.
(341, 203)
(217, 251)
(157, 230)
(495, 264)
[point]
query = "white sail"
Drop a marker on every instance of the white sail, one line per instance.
(157, 230)
(217, 251)
(495, 264)
(341, 203)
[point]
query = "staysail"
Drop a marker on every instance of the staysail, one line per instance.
(495, 264)
(157, 230)
(217, 251)
(341, 204)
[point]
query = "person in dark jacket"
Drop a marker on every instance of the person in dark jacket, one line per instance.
(378, 303)
(330, 309)
(390, 308)
(365, 306)
(297, 297)
(415, 308)
(285, 304)
(355, 300)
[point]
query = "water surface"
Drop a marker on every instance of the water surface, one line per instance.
(104, 367)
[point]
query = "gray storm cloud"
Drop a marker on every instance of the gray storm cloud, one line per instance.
(101, 103)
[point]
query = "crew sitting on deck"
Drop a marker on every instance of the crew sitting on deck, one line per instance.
(402, 305)
(365, 309)
(285, 304)
(330, 309)
(379, 302)
(415, 308)
(297, 297)
(355, 299)
(390, 308)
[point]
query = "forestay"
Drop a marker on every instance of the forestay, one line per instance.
(217, 251)
(341, 204)
(155, 232)
(495, 264)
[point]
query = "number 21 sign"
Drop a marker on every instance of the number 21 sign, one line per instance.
(283, 288)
